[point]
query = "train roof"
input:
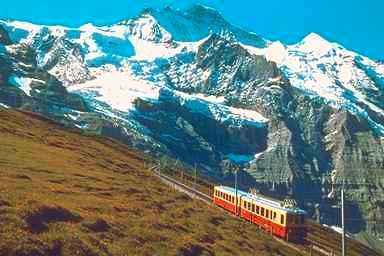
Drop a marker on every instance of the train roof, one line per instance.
(263, 200)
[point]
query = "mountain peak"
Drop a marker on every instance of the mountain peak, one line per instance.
(88, 27)
(146, 27)
(315, 39)
(202, 10)
(195, 23)
(316, 44)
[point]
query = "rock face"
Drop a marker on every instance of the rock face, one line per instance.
(295, 119)
(26, 86)
(4, 37)
(360, 155)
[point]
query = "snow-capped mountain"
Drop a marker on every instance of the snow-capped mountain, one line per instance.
(188, 84)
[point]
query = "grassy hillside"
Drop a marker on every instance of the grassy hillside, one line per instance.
(63, 193)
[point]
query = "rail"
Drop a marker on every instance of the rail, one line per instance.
(319, 243)
(186, 188)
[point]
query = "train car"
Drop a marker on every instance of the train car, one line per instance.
(280, 218)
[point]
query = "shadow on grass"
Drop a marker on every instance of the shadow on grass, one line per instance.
(41, 216)
(193, 250)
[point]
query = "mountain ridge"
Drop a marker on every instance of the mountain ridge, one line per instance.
(287, 116)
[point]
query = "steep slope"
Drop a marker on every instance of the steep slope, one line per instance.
(63, 193)
(294, 119)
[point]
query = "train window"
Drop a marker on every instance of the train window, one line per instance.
(274, 215)
(249, 206)
(257, 209)
(282, 219)
(262, 211)
(267, 213)
(253, 207)
(245, 206)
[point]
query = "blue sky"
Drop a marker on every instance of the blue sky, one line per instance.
(356, 24)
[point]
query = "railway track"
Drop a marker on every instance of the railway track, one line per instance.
(320, 240)
(184, 188)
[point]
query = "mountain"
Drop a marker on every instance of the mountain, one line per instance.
(294, 119)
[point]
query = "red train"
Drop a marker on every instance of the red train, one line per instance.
(282, 219)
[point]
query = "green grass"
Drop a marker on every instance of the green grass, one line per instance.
(63, 193)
